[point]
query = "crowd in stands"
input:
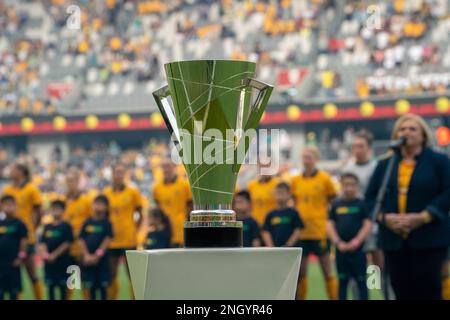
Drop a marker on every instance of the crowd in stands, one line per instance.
(395, 42)
(401, 45)
(132, 40)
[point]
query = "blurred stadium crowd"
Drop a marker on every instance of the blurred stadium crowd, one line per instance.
(118, 53)
(336, 49)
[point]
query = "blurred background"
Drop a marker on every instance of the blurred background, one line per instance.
(76, 84)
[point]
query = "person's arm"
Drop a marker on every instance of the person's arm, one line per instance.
(22, 255)
(63, 247)
(331, 226)
(293, 239)
(43, 251)
(138, 216)
(267, 238)
(37, 215)
(356, 242)
(138, 208)
(37, 206)
(332, 232)
(85, 254)
(23, 244)
(104, 246)
(297, 225)
(265, 232)
(331, 189)
(100, 252)
(439, 207)
(42, 247)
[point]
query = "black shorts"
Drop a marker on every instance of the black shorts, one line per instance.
(97, 276)
(56, 273)
(10, 279)
(318, 247)
(351, 265)
(119, 252)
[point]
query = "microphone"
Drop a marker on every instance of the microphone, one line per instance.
(395, 144)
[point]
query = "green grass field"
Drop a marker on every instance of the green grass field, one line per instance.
(316, 285)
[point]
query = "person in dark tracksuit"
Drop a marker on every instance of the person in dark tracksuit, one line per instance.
(348, 226)
(54, 245)
(242, 205)
(414, 220)
(95, 237)
(13, 248)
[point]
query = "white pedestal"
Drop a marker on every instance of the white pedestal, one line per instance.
(215, 274)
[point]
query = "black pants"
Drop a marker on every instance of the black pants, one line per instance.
(416, 274)
(97, 293)
(352, 265)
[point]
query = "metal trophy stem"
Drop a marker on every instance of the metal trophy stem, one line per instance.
(209, 227)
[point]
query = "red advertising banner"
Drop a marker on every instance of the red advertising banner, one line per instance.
(288, 78)
(59, 89)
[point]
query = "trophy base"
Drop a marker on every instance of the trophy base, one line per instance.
(213, 235)
(215, 273)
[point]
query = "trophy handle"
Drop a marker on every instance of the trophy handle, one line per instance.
(258, 107)
(167, 113)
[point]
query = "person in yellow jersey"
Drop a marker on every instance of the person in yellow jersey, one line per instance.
(313, 191)
(78, 210)
(173, 195)
(262, 193)
(28, 199)
(126, 216)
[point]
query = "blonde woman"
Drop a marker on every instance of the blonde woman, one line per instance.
(414, 222)
(313, 191)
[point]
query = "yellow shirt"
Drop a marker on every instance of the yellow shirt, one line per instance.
(77, 211)
(124, 204)
(92, 193)
(327, 79)
(312, 196)
(263, 198)
(27, 197)
(173, 199)
(405, 171)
